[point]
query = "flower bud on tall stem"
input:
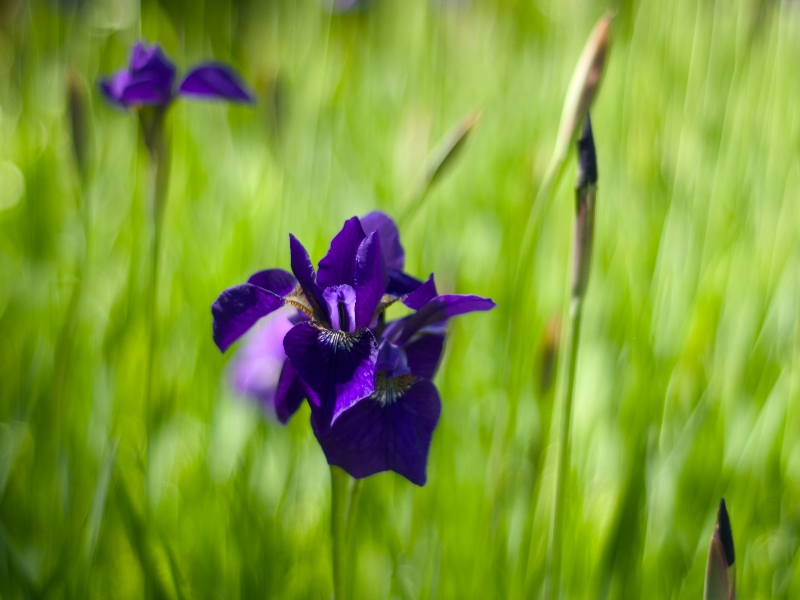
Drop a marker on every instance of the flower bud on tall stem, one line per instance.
(720, 581)
(581, 261)
(585, 189)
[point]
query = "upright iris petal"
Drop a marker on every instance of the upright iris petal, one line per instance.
(147, 80)
(339, 265)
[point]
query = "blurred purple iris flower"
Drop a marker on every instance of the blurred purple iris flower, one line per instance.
(373, 405)
(149, 79)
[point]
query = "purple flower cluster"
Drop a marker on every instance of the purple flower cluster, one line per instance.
(149, 79)
(325, 338)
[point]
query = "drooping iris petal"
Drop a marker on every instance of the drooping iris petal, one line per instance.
(215, 81)
(237, 309)
(422, 295)
(261, 370)
(393, 254)
(338, 266)
(401, 283)
(289, 395)
(277, 281)
(389, 431)
(338, 367)
(370, 279)
(423, 354)
(148, 80)
(303, 270)
(442, 308)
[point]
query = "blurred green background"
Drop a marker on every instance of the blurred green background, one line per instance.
(688, 376)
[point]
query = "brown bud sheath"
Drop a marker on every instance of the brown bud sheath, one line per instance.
(450, 147)
(584, 84)
(585, 193)
(720, 583)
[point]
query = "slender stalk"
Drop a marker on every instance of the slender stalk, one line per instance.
(350, 525)
(158, 150)
(563, 456)
(585, 192)
(339, 480)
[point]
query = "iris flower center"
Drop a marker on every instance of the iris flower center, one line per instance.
(341, 301)
(389, 390)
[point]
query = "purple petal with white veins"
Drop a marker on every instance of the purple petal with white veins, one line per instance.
(260, 368)
(423, 355)
(370, 279)
(304, 271)
(339, 367)
(277, 281)
(422, 295)
(215, 81)
(339, 265)
(385, 434)
(442, 308)
(400, 283)
(237, 309)
(393, 253)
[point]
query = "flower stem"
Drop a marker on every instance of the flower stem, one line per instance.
(350, 524)
(553, 578)
(339, 480)
(158, 150)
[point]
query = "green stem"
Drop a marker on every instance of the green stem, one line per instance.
(338, 530)
(158, 150)
(553, 573)
(350, 525)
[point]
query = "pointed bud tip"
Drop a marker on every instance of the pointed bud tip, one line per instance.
(723, 529)
(587, 158)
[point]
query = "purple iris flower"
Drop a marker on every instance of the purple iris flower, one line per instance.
(149, 79)
(373, 405)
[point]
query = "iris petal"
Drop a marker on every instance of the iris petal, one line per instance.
(237, 309)
(442, 308)
(385, 434)
(401, 283)
(277, 281)
(422, 295)
(306, 277)
(370, 279)
(289, 395)
(215, 81)
(261, 370)
(338, 266)
(423, 355)
(337, 366)
(393, 254)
